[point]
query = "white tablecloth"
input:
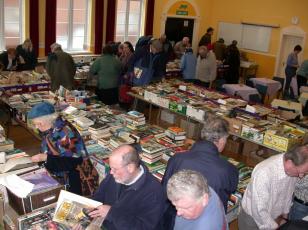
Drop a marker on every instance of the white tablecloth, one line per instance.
(241, 90)
(272, 86)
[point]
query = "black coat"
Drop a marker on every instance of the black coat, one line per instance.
(28, 56)
(4, 59)
(138, 207)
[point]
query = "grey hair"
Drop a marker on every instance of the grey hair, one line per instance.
(298, 154)
(187, 183)
(131, 156)
(56, 47)
(48, 119)
(157, 44)
(215, 129)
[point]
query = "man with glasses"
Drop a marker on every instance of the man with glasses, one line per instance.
(204, 158)
(268, 197)
(132, 198)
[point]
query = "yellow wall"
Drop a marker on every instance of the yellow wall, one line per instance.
(279, 12)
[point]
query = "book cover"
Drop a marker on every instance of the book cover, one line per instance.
(41, 179)
(73, 209)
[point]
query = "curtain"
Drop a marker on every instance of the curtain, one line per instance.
(50, 24)
(111, 16)
(34, 24)
(99, 20)
(149, 18)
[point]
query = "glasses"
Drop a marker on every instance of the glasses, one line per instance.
(117, 169)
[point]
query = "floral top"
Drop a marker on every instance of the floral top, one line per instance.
(64, 141)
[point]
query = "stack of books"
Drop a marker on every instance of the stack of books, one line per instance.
(83, 122)
(135, 120)
(176, 134)
(151, 151)
(99, 130)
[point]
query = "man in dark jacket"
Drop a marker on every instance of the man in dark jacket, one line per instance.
(61, 68)
(148, 64)
(132, 198)
(207, 37)
(204, 157)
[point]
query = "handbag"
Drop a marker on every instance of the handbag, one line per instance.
(89, 177)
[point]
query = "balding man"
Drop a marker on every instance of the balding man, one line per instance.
(132, 198)
(180, 47)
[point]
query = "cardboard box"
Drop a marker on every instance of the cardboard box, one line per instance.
(234, 145)
(235, 125)
(192, 128)
(252, 133)
(178, 107)
(195, 112)
(283, 143)
(167, 116)
(249, 147)
(34, 200)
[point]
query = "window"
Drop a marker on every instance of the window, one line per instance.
(128, 27)
(10, 23)
(71, 25)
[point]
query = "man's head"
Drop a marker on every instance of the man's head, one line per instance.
(43, 116)
(55, 47)
(163, 38)
(216, 131)
(296, 161)
(203, 51)
(185, 41)
(124, 164)
(189, 193)
(297, 49)
(156, 46)
(27, 45)
(210, 31)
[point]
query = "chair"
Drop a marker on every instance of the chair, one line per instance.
(281, 80)
(255, 98)
(249, 83)
(262, 89)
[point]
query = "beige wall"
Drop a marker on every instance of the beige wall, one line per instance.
(276, 12)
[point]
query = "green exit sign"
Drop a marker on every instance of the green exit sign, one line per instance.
(181, 12)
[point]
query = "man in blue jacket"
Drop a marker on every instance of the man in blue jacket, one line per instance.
(132, 198)
(204, 157)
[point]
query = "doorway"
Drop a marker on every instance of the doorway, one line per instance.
(177, 28)
(287, 45)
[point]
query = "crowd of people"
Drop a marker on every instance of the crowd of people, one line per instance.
(195, 188)
(197, 184)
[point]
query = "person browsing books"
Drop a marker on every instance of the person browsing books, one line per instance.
(198, 206)
(62, 147)
(132, 198)
(204, 158)
(268, 197)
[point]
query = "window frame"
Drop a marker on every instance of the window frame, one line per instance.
(3, 46)
(127, 12)
(70, 28)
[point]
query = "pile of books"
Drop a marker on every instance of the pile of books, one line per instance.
(151, 151)
(135, 119)
(177, 135)
(99, 130)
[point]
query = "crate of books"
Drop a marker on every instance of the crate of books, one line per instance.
(283, 137)
(178, 107)
(252, 133)
(45, 191)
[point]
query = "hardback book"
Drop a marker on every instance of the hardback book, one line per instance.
(176, 130)
(15, 153)
(135, 114)
(152, 146)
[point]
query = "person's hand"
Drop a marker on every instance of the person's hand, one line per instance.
(39, 157)
(21, 60)
(282, 219)
(100, 211)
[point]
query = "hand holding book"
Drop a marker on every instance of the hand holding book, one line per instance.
(100, 211)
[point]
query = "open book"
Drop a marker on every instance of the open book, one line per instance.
(73, 209)
(15, 164)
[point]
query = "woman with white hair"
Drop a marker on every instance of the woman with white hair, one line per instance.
(26, 56)
(62, 147)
